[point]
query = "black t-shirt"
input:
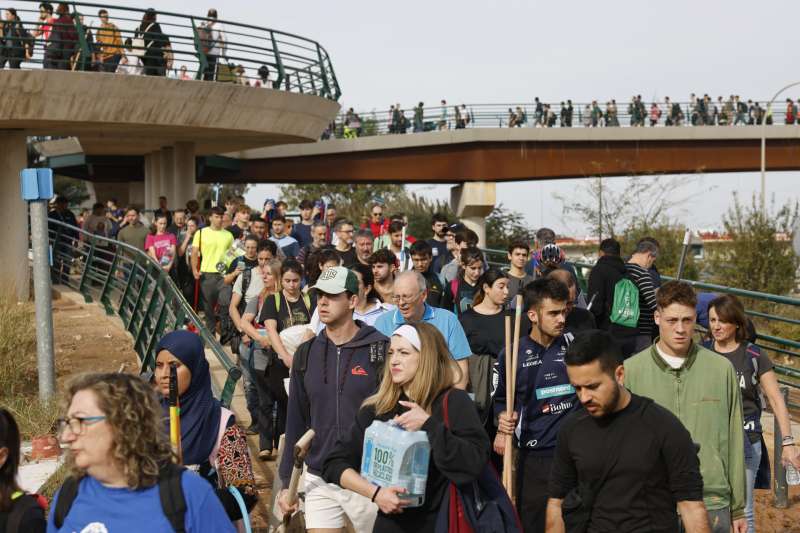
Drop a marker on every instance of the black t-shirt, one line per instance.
(348, 258)
(290, 313)
(485, 333)
(656, 466)
(462, 299)
(579, 320)
(742, 359)
(236, 231)
(435, 289)
(440, 254)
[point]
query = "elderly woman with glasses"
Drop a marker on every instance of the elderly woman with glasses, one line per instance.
(121, 461)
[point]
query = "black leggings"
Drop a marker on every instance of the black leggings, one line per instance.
(276, 373)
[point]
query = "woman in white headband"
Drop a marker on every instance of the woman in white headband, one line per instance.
(418, 375)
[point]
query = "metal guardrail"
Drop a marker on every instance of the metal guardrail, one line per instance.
(499, 116)
(780, 347)
(294, 63)
(129, 283)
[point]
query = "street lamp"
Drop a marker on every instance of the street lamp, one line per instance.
(764, 146)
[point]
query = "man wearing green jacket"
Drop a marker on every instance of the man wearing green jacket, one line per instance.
(700, 388)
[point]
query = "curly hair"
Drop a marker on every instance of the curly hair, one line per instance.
(132, 410)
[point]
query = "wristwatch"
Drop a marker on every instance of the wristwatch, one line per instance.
(787, 441)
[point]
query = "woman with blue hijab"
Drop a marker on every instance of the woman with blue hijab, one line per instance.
(211, 442)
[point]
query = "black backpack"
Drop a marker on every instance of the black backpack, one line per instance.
(377, 357)
(22, 505)
(173, 504)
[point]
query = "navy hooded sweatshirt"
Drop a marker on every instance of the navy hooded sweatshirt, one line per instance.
(336, 382)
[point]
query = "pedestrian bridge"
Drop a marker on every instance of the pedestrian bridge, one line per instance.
(509, 154)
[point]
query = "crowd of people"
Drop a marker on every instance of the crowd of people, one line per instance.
(623, 418)
(147, 51)
(698, 111)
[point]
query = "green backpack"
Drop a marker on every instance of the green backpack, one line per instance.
(625, 309)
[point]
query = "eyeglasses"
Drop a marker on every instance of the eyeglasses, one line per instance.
(406, 299)
(377, 214)
(77, 424)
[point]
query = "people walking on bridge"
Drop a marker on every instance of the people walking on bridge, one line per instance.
(155, 45)
(16, 43)
(109, 41)
(640, 454)
(543, 398)
(213, 44)
(212, 444)
(209, 246)
(332, 374)
(707, 402)
(132, 231)
(443, 124)
(61, 41)
(757, 379)
(161, 245)
(419, 118)
(122, 475)
(419, 392)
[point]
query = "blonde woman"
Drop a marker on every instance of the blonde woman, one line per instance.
(254, 355)
(419, 373)
(118, 451)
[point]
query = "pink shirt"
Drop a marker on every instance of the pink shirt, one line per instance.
(161, 243)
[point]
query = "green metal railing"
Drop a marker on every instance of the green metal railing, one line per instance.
(294, 63)
(781, 348)
(132, 285)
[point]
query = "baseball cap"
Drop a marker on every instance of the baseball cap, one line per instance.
(336, 280)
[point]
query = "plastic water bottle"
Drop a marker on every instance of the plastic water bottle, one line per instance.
(394, 457)
(792, 475)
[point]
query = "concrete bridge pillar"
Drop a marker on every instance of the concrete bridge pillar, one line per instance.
(14, 276)
(152, 179)
(184, 175)
(167, 175)
(472, 202)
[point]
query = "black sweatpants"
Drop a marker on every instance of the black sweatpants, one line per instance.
(533, 475)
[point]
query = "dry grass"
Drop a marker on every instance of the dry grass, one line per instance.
(18, 378)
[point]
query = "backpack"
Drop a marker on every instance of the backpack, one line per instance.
(170, 491)
(377, 358)
(234, 335)
(625, 308)
(206, 36)
(24, 503)
(481, 506)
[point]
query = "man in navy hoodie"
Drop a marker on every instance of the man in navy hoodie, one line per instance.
(332, 374)
(543, 398)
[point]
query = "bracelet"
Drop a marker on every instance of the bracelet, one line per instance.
(788, 438)
(375, 493)
(785, 444)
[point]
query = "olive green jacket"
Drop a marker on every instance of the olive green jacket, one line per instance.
(704, 395)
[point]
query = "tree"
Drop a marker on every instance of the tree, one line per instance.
(74, 190)
(207, 192)
(504, 226)
(757, 259)
(352, 200)
(643, 201)
(670, 240)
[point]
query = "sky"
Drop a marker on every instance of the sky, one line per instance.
(509, 51)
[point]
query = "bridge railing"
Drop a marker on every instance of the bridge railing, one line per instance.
(772, 311)
(498, 116)
(132, 285)
(294, 63)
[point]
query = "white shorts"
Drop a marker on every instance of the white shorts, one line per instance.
(327, 504)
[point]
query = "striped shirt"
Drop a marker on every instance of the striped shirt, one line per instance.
(647, 297)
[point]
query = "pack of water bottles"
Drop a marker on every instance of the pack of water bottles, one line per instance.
(394, 457)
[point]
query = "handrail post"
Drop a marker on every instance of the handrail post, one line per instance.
(278, 63)
(85, 58)
(337, 93)
(86, 266)
(107, 283)
(311, 79)
(326, 89)
(202, 60)
(779, 484)
(299, 81)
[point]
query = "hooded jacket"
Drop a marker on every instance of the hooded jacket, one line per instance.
(605, 274)
(336, 381)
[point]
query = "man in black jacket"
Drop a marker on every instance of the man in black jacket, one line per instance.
(609, 269)
(332, 374)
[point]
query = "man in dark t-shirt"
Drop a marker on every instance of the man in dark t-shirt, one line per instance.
(641, 458)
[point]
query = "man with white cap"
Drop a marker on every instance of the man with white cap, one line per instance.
(411, 292)
(332, 374)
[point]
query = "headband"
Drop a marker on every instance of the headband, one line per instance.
(410, 334)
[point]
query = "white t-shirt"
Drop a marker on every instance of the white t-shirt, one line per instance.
(673, 361)
(253, 289)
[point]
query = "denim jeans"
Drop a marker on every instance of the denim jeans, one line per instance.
(751, 465)
(249, 380)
